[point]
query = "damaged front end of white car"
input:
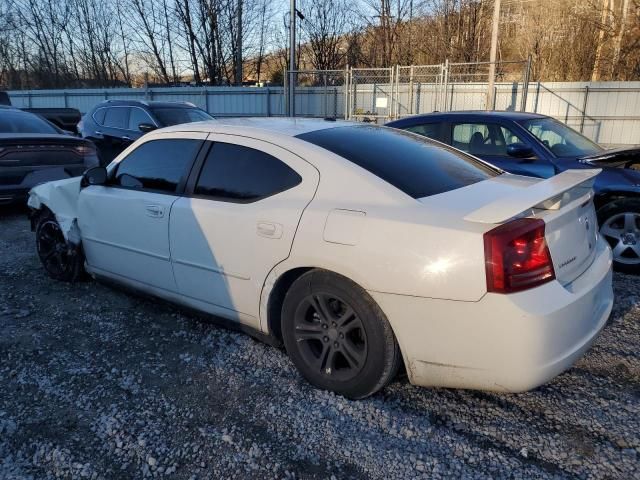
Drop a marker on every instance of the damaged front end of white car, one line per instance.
(53, 215)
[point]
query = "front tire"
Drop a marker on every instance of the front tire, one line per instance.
(60, 260)
(620, 226)
(337, 336)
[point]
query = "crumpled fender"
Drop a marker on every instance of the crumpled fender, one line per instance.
(61, 197)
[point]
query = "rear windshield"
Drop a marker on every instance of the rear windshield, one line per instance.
(413, 164)
(15, 121)
(176, 115)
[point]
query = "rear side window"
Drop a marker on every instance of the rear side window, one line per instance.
(413, 164)
(116, 117)
(430, 130)
(158, 165)
(98, 115)
(237, 173)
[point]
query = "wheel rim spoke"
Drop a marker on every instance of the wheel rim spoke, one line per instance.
(630, 222)
(608, 231)
(321, 307)
(353, 355)
(330, 336)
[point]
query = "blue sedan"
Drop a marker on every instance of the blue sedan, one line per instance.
(537, 145)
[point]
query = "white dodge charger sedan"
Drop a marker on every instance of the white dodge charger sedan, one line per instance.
(360, 248)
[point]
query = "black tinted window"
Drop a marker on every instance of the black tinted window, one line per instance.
(15, 121)
(157, 165)
(98, 115)
(116, 117)
(177, 115)
(138, 116)
(240, 173)
(431, 130)
(411, 163)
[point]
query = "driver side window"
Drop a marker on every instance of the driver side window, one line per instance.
(157, 166)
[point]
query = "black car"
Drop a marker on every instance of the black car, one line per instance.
(33, 151)
(64, 118)
(114, 124)
(540, 146)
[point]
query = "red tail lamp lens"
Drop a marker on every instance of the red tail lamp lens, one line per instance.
(517, 256)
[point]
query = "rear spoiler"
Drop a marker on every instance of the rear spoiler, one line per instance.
(546, 194)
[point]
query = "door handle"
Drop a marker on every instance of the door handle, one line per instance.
(125, 138)
(269, 230)
(155, 211)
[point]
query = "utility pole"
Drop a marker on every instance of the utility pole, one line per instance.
(492, 56)
(292, 59)
(239, 46)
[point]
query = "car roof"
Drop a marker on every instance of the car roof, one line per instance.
(145, 103)
(498, 114)
(283, 125)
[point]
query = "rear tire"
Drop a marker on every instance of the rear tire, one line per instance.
(61, 260)
(337, 336)
(620, 226)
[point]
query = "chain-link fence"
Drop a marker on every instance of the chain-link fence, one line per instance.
(318, 93)
(381, 94)
(371, 94)
(467, 87)
(419, 89)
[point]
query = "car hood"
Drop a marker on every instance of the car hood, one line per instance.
(627, 157)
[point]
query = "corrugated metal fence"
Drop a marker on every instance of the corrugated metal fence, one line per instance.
(607, 112)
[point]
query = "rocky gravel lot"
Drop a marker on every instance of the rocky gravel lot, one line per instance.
(97, 383)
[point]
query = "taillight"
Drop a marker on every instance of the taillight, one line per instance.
(517, 256)
(85, 150)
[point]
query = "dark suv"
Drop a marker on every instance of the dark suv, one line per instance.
(114, 124)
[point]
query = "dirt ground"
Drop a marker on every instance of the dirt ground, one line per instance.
(98, 383)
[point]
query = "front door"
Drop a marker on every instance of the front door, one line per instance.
(237, 221)
(125, 224)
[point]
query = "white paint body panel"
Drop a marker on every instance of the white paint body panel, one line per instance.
(222, 251)
(419, 259)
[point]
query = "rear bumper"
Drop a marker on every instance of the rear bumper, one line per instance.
(502, 342)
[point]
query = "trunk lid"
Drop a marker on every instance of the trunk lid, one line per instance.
(564, 202)
(22, 150)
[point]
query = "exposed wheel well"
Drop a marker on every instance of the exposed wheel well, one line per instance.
(276, 299)
(606, 198)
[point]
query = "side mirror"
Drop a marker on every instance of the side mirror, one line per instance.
(146, 127)
(519, 150)
(94, 176)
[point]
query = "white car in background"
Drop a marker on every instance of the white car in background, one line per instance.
(356, 246)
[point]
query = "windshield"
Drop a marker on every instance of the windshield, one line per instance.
(560, 139)
(15, 121)
(416, 165)
(176, 115)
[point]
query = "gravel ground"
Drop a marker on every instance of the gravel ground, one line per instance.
(97, 383)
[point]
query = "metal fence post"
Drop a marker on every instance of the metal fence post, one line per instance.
(445, 107)
(64, 95)
(268, 94)
(411, 90)
(584, 107)
(525, 85)
(285, 92)
(29, 98)
(345, 91)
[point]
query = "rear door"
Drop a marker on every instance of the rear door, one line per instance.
(237, 220)
(114, 133)
(489, 141)
(125, 224)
